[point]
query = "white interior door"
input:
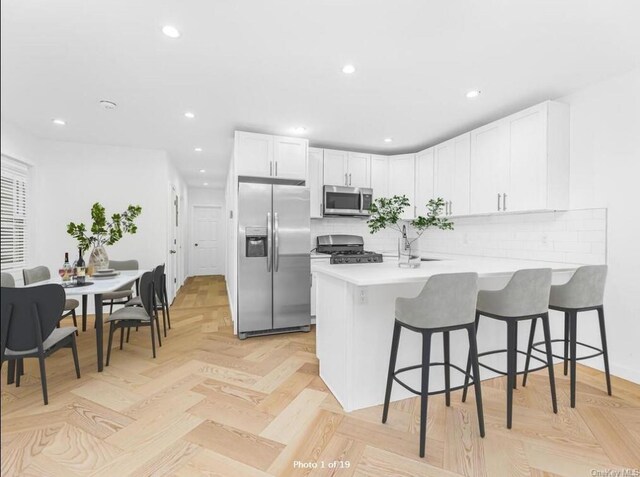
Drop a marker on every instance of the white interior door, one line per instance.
(171, 268)
(206, 246)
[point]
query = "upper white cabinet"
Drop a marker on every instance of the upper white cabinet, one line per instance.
(343, 168)
(424, 180)
(262, 155)
(452, 173)
(379, 176)
(521, 162)
(315, 181)
(401, 180)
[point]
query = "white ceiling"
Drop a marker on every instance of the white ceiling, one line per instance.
(270, 65)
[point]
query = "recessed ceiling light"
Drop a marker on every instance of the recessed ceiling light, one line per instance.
(189, 115)
(197, 149)
(348, 69)
(59, 122)
(171, 31)
(202, 171)
(388, 139)
(473, 94)
(206, 184)
(299, 130)
(107, 105)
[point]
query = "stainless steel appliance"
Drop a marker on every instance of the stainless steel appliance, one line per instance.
(346, 249)
(350, 201)
(274, 275)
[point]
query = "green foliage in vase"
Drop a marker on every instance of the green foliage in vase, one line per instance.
(387, 213)
(102, 231)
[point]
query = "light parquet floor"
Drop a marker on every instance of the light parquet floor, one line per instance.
(211, 404)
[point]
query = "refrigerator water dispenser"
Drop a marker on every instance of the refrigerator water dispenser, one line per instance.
(256, 242)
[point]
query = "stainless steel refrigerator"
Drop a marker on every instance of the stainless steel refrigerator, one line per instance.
(274, 270)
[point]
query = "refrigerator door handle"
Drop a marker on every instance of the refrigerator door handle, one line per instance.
(276, 243)
(269, 259)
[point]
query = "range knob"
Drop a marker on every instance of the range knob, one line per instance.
(358, 260)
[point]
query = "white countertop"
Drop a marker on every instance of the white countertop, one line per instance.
(388, 272)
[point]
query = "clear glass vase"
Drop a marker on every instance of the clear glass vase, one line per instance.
(98, 260)
(408, 252)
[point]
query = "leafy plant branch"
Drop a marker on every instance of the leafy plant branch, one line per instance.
(105, 232)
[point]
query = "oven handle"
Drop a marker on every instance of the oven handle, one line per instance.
(361, 200)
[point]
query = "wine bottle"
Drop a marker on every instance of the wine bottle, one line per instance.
(80, 262)
(80, 267)
(68, 271)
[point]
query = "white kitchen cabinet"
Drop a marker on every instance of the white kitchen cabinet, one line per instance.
(262, 155)
(342, 168)
(451, 174)
(290, 158)
(379, 176)
(358, 169)
(424, 181)
(401, 180)
(253, 154)
(316, 165)
(335, 167)
(521, 162)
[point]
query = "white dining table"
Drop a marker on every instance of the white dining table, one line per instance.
(98, 288)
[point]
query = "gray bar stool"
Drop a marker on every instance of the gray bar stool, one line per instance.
(446, 303)
(525, 297)
(583, 292)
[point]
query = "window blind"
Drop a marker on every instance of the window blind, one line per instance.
(13, 214)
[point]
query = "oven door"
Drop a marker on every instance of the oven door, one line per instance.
(345, 201)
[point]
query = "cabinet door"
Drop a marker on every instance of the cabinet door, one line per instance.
(253, 154)
(401, 180)
(358, 169)
(424, 180)
(290, 158)
(489, 168)
(460, 190)
(444, 171)
(335, 167)
(380, 176)
(315, 182)
(527, 159)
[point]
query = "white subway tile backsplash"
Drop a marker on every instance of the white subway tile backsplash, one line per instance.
(567, 236)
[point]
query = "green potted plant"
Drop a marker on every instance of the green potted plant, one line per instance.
(103, 232)
(387, 213)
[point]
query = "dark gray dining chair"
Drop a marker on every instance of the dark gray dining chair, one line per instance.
(29, 318)
(122, 295)
(42, 273)
(7, 280)
(136, 316)
(161, 300)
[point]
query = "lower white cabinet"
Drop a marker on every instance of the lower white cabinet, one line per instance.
(315, 183)
(401, 180)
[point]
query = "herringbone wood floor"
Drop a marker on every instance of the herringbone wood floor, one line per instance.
(213, 405)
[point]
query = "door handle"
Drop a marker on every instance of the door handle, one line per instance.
(504, 201)
(269, 241)
(276, 243)
(172, 251)
(499, 195)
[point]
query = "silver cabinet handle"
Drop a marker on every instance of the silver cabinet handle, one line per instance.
(346, 182)
(504, 201)
(276, 243)
(349, 178)
(415, 211)
(276, 169)
(268, 241)
(320, 209)
(270, 168)
(499, 195)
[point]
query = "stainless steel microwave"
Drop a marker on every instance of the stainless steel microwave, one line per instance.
(350, 201)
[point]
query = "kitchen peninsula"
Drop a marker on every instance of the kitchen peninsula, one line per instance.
(355, 316)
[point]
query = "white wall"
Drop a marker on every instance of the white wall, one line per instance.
(605, 172)
(207, 196)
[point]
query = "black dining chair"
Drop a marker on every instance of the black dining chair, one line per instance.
(42, 273)
(160, 297)
(136, 316)
(29, 318)
(124, 293)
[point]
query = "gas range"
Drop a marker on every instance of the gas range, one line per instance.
(346, 249)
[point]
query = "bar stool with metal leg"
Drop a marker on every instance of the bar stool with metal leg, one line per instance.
(525, 297)
(446, 303)
(583, 292)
